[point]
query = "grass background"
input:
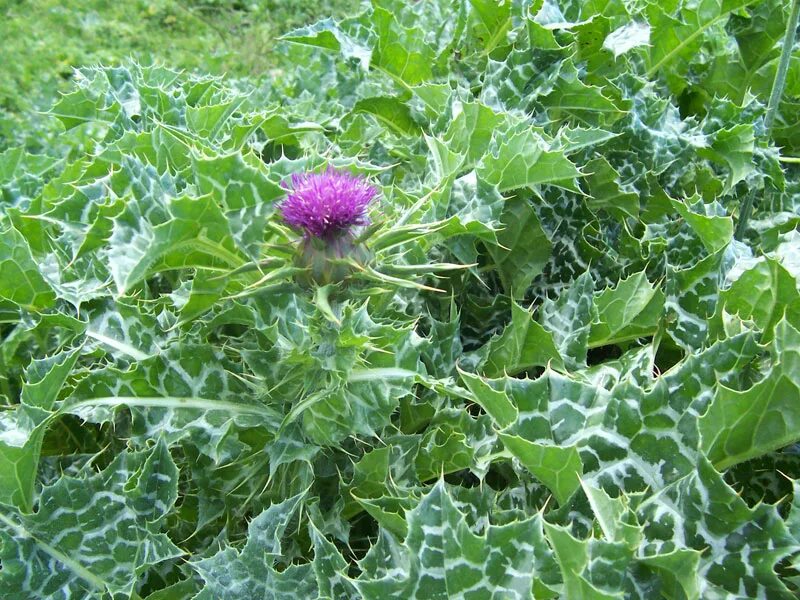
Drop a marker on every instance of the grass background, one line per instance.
(44, 40)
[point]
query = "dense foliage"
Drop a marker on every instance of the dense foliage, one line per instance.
(546, 369)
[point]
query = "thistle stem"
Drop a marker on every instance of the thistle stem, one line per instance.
(775, 95)
(779, 83)
(745, 210)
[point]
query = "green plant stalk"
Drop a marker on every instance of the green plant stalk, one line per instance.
(779, 83)
(745, 210)
(775, 95)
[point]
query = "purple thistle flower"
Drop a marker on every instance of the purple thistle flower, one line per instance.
(326, 204)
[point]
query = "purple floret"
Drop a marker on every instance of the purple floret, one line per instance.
(326, 204)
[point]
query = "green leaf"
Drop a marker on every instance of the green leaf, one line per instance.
(606, 192)
(738, 546)
(471, 130)
(568, 319)
(22, 431)
(329, 567)
(359, 407)
(740, 425)
(493, 401)
(733, 147)
(46, 377)
(714, 231)
(194, 233)
(188, 393)
(558, 467)
(390, 112)
(615, 516)
(691, 298)
(401, 51)
(674, 38)
(21, 435)
(79, 541)
(627, 312)
(252, 571)
(493, 22)
(82, 106)
(443, 557)
(576, 558)
(329, 35)
(240, 185)
(579, 102)
(521, 158)
(183, 419)
(523, 247)
(762, 294)
(342, 397)
(21, 281)
(522, 345)
(631, 434)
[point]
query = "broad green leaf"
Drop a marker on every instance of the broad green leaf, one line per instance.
(494, 402)
(614, 515)
(522, 345)
(676, 36)
(523, 247)
(21, 281)
(740, 425)
(443, 557)
(401, 51)
(90, 537)
(762, 294)
(241, 187)
(520, 158)
(738, 546)
(714, 231)
(568, 319)
(390, 112)
(23, 430)
(629, 311)
(691, 297)
(194, 233)
(628, 437)
(348, 399)
(46, 377)
(576, 560)
(573, 100)
(733, 148)
(574, 139)
(252, 570)
(329, 35)
(82, 106)
(606, 191)
(329, 567)
(493, 22)
(21, 435)
(558, 467)
(188, 394)
(22, 174)
(471, 130)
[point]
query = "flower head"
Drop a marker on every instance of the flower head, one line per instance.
(326, 204)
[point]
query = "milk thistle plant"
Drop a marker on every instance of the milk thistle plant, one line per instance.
(494, 337)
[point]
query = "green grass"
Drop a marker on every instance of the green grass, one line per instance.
(44, 40)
